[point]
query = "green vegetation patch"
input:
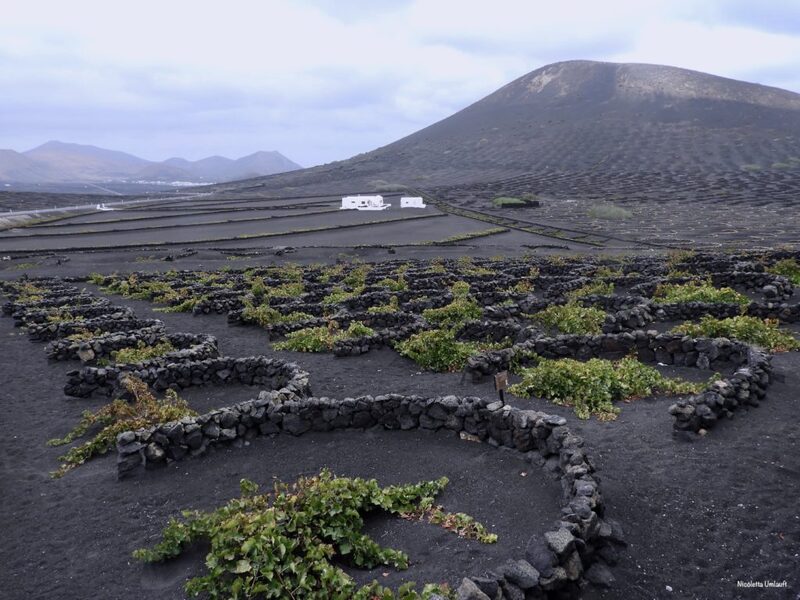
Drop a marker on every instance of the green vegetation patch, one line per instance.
(322, 339)
(509, 202)
(438, 350)
(462, 237)
(597, 288)
(26, 292)
(461, 309)
(283, 545)
(572, 318)
(265, 315)
(141, 352)
(184, 306)
(787, 267)
(698, 291)
(340, 294)
(392, 306)
(146, 410)
(592, 387)
(752, 330)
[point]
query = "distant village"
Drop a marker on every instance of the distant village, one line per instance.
(377, 202)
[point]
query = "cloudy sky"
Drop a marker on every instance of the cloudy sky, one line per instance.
(322, 80)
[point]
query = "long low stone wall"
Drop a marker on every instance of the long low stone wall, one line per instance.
(381, 338)
(117, 321)
(88, 311)
(639, 316)
(183, 369)
(78, 299)
(774, 287)
(553, 565)
(746, 387)
(104, 345)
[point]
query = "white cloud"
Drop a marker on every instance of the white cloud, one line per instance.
(322, 79)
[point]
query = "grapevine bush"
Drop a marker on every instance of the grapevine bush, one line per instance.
(265, 315)
(438, 350)
(282, 545)
(597, 288)
(789, 268)
(592, 387)
(572, 318)
(698, 291)
(322, 339)
(140, 353)
(118, 416)
(752, 330)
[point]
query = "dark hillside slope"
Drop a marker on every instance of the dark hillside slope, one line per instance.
(583, 116)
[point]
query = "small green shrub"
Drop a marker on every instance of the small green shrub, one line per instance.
(459, 310)
(395, 285)
(322, 339)
(310, 339)
(141, 352)
(438, 350)
(752, 330)
(572, 318)
(436, 267)
(114, 418)
(23, 266)
(698, 291)
(460, 289)
(605, 272)
(392, 307)
(81, 335)
(750, 167)
(185, 306)
(597, 288)
(523, 286)
(357, 277)
(283, 545)
(591, 387)
(63, 316)
(26, 292)
(292, 289)
(787, 267)
(508, 202)
(340, 294)
(331, 272)
(468, 267)
(265, 315)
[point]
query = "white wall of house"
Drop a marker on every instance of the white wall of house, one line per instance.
(364, 203)
(412, 202)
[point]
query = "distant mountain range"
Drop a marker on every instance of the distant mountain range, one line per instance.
(60, 162)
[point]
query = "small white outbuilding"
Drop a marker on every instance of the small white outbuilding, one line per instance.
(364, 203)
(412, 202)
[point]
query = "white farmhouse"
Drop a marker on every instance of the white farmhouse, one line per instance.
(364, 203)
(412, 202)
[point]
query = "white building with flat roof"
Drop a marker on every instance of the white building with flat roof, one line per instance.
(364, 203)
(412, 202)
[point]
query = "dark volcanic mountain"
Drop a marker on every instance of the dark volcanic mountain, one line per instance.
(75, 163)
(587, 120)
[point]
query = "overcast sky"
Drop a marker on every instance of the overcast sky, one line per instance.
(322, 80)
